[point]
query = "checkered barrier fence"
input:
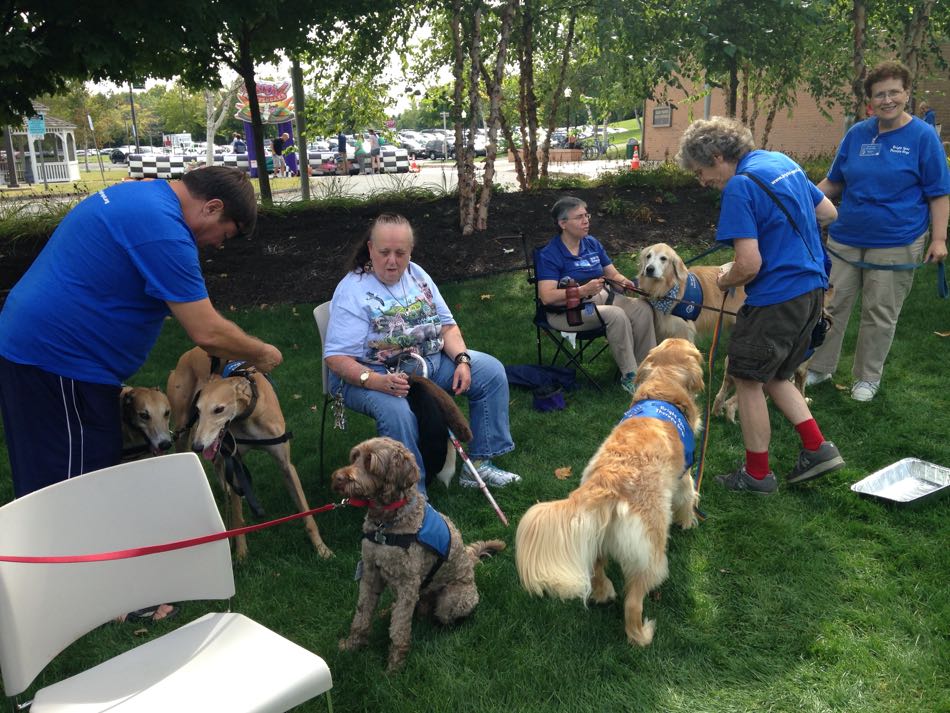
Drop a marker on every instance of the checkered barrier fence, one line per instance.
(175, 165)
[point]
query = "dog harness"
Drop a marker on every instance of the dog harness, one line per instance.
(687, 307)
(433, 534)
(665, 411)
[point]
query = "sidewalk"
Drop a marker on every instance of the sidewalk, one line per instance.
(437, 175)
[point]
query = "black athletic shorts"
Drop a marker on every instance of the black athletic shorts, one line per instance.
(770, 342)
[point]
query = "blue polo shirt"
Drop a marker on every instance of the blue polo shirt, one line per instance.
(888, 181)
(93, 302)
(789, 268)
(555, 261)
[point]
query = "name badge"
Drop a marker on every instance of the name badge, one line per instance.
(870, 150)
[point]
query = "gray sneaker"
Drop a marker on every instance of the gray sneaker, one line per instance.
(490, 473)
(811, 464)
(740, 480)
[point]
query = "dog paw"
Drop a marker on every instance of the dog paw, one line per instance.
(397, 659)
(603, 592)
(352, 643)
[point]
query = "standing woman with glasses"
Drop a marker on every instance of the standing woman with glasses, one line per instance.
(891, 177)
(576, 254)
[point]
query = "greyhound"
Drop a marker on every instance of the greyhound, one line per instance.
(144, 417)
(226, 416)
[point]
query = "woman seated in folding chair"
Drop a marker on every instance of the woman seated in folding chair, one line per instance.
(387, 306)
(576, 254)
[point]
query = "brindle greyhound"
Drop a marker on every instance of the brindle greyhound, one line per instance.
(226, 416)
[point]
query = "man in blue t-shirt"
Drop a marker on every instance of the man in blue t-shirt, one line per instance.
(768, 214)
(85, 315)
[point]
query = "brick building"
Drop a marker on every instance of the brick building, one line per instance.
(800, 131)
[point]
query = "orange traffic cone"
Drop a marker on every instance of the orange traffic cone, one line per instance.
(413, 166)
(635, 161)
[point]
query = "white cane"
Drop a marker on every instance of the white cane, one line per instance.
(461, 451)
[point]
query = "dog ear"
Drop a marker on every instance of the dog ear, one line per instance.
(679, 268)
(642, 261)
(127, 396)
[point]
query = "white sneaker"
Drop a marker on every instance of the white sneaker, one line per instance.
(864, 390)
(490, 473)
(816, 377)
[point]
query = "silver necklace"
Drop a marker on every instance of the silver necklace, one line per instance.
(405, 296)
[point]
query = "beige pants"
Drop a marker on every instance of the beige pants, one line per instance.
(882, 296)
(629, 324)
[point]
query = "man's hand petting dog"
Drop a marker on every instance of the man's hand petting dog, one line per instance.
(723, 270)
(395, 384)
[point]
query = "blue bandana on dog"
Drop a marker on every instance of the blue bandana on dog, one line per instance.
(651, 408)
(689, 306)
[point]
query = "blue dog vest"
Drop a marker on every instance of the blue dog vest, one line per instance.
(687, 307)
(651, 408)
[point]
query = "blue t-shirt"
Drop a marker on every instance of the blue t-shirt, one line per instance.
(93, 302)
(555, 261)
(930, 118)
(374, 322)
(888, 179)
(789, 268)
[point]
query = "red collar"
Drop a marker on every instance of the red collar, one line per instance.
(358, 502)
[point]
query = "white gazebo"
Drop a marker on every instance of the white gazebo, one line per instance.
(53, 156)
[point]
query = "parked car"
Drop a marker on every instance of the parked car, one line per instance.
(413, 147)
(439, 148)
(117, 156)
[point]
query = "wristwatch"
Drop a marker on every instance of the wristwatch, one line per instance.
(463, 358)
(364, 377)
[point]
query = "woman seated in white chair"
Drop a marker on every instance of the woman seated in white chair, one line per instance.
(387, 306)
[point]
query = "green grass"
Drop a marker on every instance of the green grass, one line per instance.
(813, 600)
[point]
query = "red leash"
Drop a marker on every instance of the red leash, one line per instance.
(167, 547)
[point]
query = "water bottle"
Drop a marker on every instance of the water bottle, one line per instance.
(573, 304)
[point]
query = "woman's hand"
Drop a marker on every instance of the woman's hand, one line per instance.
(462, 379)
(396, 384)
(592, 288)
(937, 252)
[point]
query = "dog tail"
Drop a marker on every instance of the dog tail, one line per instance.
(556, 547)
(453, 416)
(483, 549)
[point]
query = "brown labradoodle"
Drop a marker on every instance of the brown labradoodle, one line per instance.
(407, 546)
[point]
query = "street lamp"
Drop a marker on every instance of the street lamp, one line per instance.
(567, 95)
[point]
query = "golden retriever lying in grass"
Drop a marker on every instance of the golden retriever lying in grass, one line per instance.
(633, 488)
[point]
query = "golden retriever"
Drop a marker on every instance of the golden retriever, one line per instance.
(661, 271)
(633, 488)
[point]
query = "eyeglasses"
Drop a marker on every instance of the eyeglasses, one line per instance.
(890, 94)
(582, 216)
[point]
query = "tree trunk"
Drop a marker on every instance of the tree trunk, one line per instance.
(530, 98)
(745, 95)
(300, 105)
(245, 69)
(556, 97)
(215, 115)
(914, 38)
(493, 89)
(465, 189)
(769, 120)
(468, 156)
(859, 17)
(733, 92)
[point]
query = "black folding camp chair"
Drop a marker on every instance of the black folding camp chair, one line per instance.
(586, 339)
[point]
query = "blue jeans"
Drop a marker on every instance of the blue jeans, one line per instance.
(487, 401)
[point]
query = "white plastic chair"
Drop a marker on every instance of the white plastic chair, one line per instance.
(321, 315)
(219, 662)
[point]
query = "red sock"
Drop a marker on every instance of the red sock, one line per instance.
(757, 464)
(810, 435)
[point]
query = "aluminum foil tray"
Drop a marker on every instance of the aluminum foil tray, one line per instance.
(910, 481)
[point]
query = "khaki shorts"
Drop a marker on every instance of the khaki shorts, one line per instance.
(770, 342)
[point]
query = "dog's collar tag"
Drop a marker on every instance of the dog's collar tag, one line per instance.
(379, 537)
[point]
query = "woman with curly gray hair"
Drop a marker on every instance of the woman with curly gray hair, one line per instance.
(769, 215)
